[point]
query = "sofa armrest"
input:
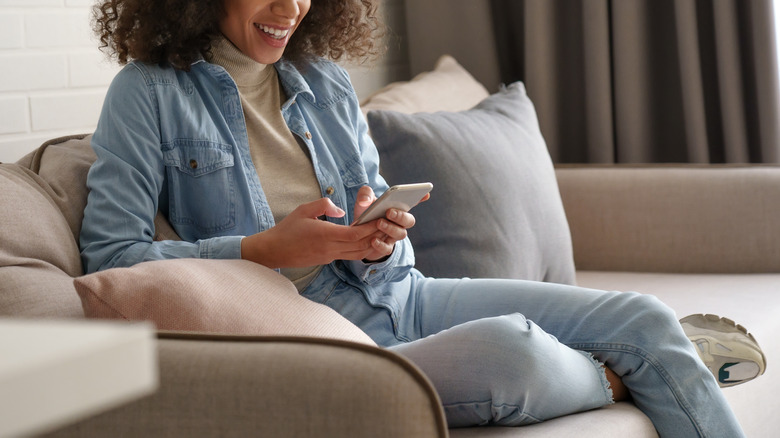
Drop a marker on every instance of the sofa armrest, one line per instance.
(213, 385)
(673, 218)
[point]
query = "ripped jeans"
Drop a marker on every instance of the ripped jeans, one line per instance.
(512, 352)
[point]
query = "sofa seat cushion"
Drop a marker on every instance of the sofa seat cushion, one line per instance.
(621, 420)
(214, 296)
(38, 254)
(752, 300)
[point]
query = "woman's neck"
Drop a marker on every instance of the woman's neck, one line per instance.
(244, 70)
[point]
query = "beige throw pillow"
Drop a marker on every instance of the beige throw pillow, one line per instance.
(214, 296)
(448, 87)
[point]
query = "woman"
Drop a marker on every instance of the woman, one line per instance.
(228, 119)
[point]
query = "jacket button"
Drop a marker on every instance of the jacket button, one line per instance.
(308, 135)
(193, 164)
(330, 190)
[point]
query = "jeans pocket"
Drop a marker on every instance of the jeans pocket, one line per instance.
(201, 185)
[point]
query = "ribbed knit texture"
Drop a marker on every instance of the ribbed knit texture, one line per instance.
(282, 162)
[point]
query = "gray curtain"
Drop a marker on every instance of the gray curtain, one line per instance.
(638, 81)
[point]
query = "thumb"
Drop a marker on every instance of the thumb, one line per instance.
(365, 196)
(321, 207)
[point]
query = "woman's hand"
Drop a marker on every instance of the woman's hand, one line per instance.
(301, 239)
(390, 229)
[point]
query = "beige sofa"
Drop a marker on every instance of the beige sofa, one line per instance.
(703, 238)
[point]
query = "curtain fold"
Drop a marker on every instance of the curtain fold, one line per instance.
(641, 81)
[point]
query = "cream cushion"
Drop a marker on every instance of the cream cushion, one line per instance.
(214, 296)
(448, 87)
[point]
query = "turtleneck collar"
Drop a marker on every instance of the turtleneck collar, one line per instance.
(244, 70)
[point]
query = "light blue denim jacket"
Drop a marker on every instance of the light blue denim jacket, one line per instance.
(176, 142)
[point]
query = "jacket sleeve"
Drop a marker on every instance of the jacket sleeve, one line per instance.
(125, 183)
(401, 261)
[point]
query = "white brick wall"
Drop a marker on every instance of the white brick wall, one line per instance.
(52, 76)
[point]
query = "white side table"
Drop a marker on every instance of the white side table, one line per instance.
(56, 372)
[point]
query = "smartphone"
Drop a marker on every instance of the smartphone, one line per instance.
(402, 197)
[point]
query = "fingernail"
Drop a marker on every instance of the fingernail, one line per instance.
(392, 214)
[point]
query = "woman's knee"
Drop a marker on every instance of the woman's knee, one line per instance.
(506, 348)
(509, 365)
(652, 310)
(483, 346)
(646, 318)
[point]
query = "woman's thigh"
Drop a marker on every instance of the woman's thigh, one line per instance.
(572, 314)
(505, 370)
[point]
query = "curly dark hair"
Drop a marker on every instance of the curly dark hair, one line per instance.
(180, 31)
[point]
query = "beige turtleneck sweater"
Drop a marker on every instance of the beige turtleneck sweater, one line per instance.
(283, 164)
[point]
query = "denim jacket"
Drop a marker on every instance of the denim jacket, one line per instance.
(176, 141)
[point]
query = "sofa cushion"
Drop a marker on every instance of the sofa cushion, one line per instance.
(38, 254)
(752, 300)
(63, 163)
(215, 296)
(619, 420)
(448, 87)
(495, 209)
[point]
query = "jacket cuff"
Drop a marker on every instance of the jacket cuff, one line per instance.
(228, 247)
(374, 273)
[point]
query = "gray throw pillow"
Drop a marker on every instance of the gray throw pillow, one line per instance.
(495, 210)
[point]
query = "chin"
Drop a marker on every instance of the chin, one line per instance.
(266, 58)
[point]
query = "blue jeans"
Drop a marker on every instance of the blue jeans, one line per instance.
(512, 352)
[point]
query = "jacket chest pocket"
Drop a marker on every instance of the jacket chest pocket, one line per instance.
(353, 175)
(201, 185)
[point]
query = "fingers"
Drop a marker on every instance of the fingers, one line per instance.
(401, 218)
(384, 248)
(393, 231)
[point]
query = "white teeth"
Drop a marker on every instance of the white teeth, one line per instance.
(274, 33)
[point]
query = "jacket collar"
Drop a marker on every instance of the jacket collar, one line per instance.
(293, 81)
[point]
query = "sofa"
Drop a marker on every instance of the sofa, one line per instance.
(241, 354)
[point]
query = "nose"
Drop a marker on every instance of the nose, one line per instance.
(286, 8)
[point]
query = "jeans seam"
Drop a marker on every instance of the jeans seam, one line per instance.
(652, 361)
(330, 292)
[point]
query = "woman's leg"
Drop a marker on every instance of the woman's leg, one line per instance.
(505, 370)
(635, 335)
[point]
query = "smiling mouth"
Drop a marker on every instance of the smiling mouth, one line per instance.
(277, 34)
